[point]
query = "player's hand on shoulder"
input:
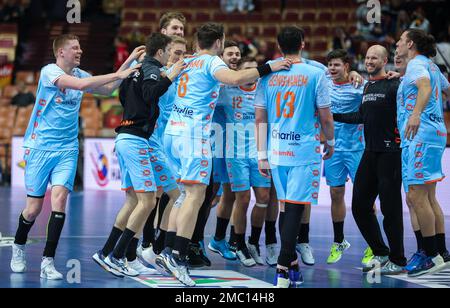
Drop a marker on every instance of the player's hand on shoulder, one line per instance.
(130, 71)
(281, 65)
(137, 53)
(392, 75)
(356, 79)
(177, 68)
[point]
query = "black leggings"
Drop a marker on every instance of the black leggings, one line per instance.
(291, 225)
(380, 174)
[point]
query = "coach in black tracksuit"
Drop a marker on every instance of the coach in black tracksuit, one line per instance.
(379, 172)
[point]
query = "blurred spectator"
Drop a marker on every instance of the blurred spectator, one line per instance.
(342, 40)
(24, 98)
(264, 54)
(135, 37)
(243, 6)
(420, 21)
(443, 50)
(121, 52)
(11, 11)
(246, 45)
(403, 23)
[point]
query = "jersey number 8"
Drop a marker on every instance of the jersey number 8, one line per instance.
(182, 87)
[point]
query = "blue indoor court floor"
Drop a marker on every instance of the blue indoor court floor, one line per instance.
(90, 215)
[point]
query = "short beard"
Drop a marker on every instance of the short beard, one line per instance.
(375, 72)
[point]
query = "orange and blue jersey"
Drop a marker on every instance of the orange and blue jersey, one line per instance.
(292, 99)
(53, 125)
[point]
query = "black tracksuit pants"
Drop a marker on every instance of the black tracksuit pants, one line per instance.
(380, 174)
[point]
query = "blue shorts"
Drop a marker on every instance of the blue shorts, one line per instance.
(134, 160)
(43, 167)
(189, 159)
(422, 164)
(244, 173)
(220, 173)
(340, 166)
(163, 175)
(297, 185)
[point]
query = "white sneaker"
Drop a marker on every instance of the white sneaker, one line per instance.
(149, 256)
(139, 251)
(245, 257)
(182, 274)
(121, 266)
(18, 262)
(255, 253)
(439, 265)
(306, 253)
(141, 268)
(271, 254)
(99, 258)
(48, 270)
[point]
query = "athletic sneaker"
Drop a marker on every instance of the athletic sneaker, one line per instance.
(446, 257)
(255, 253)
(139, 251)
(429, 266)
(149, 256)
(282, 280)
(194, 258)
(181, 272)
(203, 254)
(141, 268)
(99, 258)
(121, 266)
(336, 251)
(48, 270)
(166, 262)
(271, 254)
(390, 268)
(306, 252)
(296, 277)
(232, 246)
(368, 256)
(415, 260)
(375, 263)
(223, 248)
(18, 262)
(245, 257)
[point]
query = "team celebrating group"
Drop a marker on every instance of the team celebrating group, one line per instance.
(194, 125)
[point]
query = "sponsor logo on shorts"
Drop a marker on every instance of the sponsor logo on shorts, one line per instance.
(142, 152)
(317, 125)
(204, 163)
(42, 102)
(212, 106)
(230, 175)
(418, 165)
(148, 183)
(59, 100)
(151, 150)
(147, 172)
(33, 136)
(214, 95)
(315, 195)
(36, 124)
(163, 178)
(158, 168)
(317, 149)
(419, 154)
(316, 173)
(419, 145)
(153, 159)
(419, 175)
(441, 134)
(317, 137)
(412, 96)
(144, 162)
(203, 174)
(27, 151)
(315, 184)
(205, 152)
(409, 107)
(208, 117)
(39, 113)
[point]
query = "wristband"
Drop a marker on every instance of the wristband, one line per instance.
(264, 70)
(331, 142)
(262, 155)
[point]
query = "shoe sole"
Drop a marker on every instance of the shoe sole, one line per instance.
(271, 265)
(431, 271)
(218, 252)
(47, 278)
(106, 268)
(18, 272)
